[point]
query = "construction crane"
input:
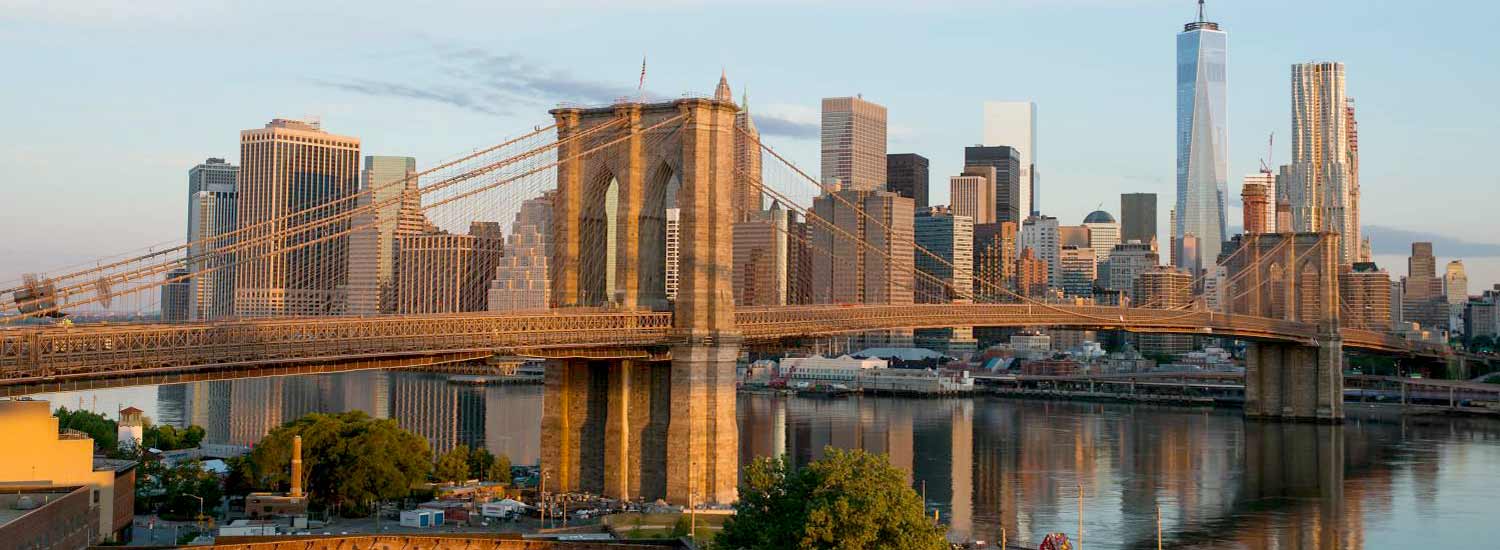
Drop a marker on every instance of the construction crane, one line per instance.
(1266, 161)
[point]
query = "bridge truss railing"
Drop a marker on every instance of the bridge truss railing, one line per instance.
(101, 349)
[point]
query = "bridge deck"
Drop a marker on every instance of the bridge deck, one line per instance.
(31, 355)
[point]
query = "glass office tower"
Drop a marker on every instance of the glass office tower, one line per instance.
(1202, 140)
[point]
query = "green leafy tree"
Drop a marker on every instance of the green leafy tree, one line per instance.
(453, 466)
(1482, 343)
(240, 480)
(103, 430)
(349, 460)
(186, 481)
(682, 526)
(848, 500)
(499, 471)
(480, 461)
(169, 438)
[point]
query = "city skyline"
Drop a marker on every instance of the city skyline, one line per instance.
(417, 211)
(925, 121)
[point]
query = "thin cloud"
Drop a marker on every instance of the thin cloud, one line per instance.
(772, 125)
(788, 120)
(1391, 240)
(478, 80)
(453, 98)
(510, 74)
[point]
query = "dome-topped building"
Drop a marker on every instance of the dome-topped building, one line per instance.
(1098, 216)
(1104, 233)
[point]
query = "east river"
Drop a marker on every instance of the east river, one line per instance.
(1379, 481)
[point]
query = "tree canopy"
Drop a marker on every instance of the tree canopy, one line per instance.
(169, 438)
(849, 500)
(103, 430)
(453, 466)
(499, 470)
(348, 460)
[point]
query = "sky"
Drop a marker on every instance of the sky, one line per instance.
(106, 104)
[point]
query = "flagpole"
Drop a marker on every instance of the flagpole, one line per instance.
(640, 88)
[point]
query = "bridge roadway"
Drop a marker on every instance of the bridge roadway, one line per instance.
(34, 359)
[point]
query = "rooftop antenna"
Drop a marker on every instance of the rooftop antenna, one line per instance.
(1200, 11)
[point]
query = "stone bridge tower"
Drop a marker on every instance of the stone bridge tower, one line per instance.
(636, 426)
(1292, 278)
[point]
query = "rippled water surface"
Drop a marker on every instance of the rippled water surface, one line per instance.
(1379, 481)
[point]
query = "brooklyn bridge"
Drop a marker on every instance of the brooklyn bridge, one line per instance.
(640, 382)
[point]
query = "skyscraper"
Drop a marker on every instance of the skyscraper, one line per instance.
(1138, 217)
(1455, 283)
(1073, 235)
(440, 272)
(950, 236)
(1360, 243)
(211, 215)
(760, 258)
(881, 271)
(1077, 270)
(799, 259)
(174, 297)
(1007, 178)
(994, 261)
(1455, 293)
(1126, 262)
(1104, 233)
(853, 149)
(1164, 288)
(906, 175)
(521, 280)
(391, 206)
(1322, 184)
(1365, 290)
(1031, 275)
(1202, 139)
(971, 194)
(1013, 124)
(290, 166)
(1042, 235)
(1422, 291)
(851, 273)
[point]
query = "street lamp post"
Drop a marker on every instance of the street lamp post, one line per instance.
(200, 506)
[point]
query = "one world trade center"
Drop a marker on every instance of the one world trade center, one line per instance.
(1202, 143)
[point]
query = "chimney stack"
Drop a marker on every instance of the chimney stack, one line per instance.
(296, 466)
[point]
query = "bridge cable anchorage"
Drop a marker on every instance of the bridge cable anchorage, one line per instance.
(67, 293)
